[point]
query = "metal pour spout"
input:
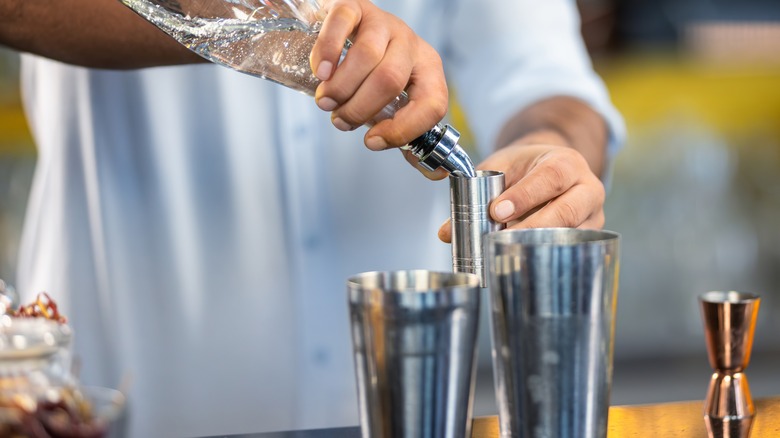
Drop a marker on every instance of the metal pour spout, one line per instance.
(439, 148)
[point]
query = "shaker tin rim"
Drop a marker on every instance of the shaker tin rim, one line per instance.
(438, 280)
(552, 237)
(730, 297)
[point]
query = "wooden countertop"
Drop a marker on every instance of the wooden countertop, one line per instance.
(667, 420)
(664, 420)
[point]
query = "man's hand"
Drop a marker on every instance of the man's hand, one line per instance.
(547, 186)
(386, 58)
(553, 152)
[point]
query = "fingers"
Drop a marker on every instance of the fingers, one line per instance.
(577, 208)
(595, 222)
(581, 206)
(385, 59)
(547, 186)
(548, 179)
(341, 19)
(428, 102)
(374, 72)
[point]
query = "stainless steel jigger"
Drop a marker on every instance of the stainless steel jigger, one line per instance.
(470, 199)
(729, 325)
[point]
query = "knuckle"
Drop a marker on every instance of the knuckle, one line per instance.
(343, 11)
(392, 80)
(349, 115)
(400, 28)
(522, 195)
(369, 51)
(394, 135)
(593, 189)
(565, 168)
(599, 220)
(439, 107)
(600, 191)
(430, 55)
(336, 91)
(567, 214)
(555, 176)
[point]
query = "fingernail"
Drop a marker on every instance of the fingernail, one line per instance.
(327, 104)
(376, 143)
(324, 70)
(504, 210)
(342, 125)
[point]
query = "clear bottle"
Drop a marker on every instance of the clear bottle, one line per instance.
(272, 39)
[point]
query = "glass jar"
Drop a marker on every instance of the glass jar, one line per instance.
(35, 376)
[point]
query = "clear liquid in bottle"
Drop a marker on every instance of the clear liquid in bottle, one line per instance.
(263, 44)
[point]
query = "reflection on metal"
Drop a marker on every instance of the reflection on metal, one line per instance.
(729, 326)
(470, 199)
(414, 336)
(552, 302)
(667, 420)
(728, 407)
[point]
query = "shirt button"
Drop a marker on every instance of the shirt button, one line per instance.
(301, 131)
(311, 241)
(321, 357)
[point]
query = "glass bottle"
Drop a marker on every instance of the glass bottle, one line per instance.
(272, 39)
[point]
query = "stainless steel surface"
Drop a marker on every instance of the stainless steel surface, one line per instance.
(439, 148)
(553, 295)
(470, 199)
(729, 328)
(414, 336)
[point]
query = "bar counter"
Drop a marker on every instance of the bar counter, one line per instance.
(667, 420)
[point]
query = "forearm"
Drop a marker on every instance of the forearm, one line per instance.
(561, 121)
(90, 33)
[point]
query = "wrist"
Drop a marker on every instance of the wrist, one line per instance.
(543, 136)
(562, 121)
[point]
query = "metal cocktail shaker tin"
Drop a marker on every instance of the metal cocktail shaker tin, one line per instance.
(470, 199)
(553, 295)
(414, 337)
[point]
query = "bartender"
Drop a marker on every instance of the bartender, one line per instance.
(197, 225)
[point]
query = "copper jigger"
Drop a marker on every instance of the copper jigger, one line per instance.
(729, 326)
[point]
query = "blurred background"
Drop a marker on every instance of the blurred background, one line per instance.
(695, 192)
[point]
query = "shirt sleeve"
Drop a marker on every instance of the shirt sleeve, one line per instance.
(504, 55)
